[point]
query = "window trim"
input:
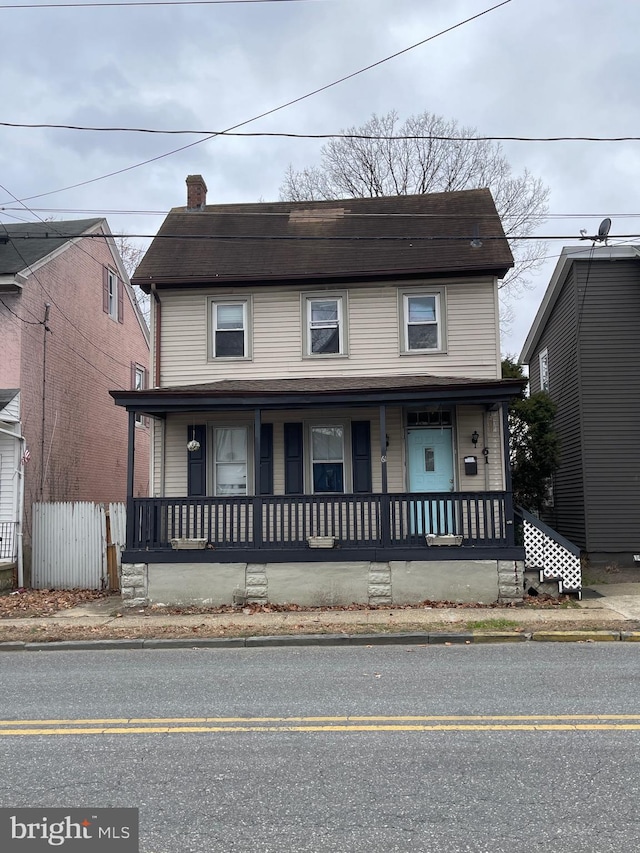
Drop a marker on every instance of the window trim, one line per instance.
(347, 461)
(247, 317)
(339, 296)
(138, 370)
(211, 438)
(439, 293)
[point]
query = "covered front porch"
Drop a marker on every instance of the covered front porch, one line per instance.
(362, 468)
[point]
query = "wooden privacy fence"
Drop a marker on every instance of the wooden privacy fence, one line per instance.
(77, 545)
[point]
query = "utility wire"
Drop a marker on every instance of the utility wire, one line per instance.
(57, 235)
(18, 317)
(141, 3)
(346, 215)
(274, 109)
(61, 340)
(287, 135)
(348, 239)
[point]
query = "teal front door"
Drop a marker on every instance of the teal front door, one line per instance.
(430, 469)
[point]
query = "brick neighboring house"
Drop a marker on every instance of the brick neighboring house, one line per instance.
(330, 421)
(70, 330)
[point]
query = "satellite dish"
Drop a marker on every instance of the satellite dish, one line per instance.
(603, 230)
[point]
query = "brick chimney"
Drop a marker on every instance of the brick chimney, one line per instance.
(196, 192)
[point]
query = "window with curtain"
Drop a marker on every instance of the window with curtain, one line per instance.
(230, 461)
(327, 458)
(325, 326)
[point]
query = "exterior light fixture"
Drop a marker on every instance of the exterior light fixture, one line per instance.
(474, 437)
(194, 444)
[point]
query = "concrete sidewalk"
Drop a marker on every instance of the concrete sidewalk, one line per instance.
(606, 612)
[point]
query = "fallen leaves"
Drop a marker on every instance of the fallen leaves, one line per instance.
(44, 602)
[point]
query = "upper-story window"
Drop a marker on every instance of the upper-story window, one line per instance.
(230, 329)
(139, 382)
(112, 295)
(543, 360)
(324, 332)
(422, 322)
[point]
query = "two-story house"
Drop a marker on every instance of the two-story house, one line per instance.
(329, 418)
(70, 330)
(583, 350)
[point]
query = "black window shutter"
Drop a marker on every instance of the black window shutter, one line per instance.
(266, 459)
(361, 456)
(197, 463)
(293, 459)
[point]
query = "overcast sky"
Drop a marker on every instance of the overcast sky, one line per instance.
(529, 68)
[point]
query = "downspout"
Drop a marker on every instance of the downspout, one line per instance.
(20, 472)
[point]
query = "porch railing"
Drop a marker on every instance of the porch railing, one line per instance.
(8, 540)
(287, 521)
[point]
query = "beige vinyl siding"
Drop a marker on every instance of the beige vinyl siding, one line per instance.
(157, 456)
(374, 330)
(490, 476)
(468, 418)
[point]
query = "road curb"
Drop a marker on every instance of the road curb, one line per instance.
(293, 640)
(576, 636)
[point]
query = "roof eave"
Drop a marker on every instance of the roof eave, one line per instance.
(162, 401)
(568, 256)
(146, 284)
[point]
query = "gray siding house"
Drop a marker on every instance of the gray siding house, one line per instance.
(584, 349)
(329, 421)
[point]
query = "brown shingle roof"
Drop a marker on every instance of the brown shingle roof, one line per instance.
(328, 385)
(370, 237)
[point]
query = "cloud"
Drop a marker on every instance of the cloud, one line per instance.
(543, 68)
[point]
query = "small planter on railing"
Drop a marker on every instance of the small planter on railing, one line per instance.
(184, 544)
(321, 541)
(443, 539)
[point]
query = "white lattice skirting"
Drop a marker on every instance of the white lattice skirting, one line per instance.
(551, 559)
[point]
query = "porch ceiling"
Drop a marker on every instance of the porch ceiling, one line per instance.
(326, 391)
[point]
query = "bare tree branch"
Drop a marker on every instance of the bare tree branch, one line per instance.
(361, 168)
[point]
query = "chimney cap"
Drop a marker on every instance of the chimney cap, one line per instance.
(196, 179)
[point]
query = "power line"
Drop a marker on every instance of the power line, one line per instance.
(61, 340)
(249, 214)
(287, 135)
(141, 3)
(18, 317)
(274, 109)
(57, 235)
(346, 239)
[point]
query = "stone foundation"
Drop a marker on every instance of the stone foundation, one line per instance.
(510, 581)
(323, 583)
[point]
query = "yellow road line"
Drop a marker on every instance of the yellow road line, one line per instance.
(266, 725)
(315, 729)
(326, 719)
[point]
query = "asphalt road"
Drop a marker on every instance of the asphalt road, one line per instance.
(503, 749)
